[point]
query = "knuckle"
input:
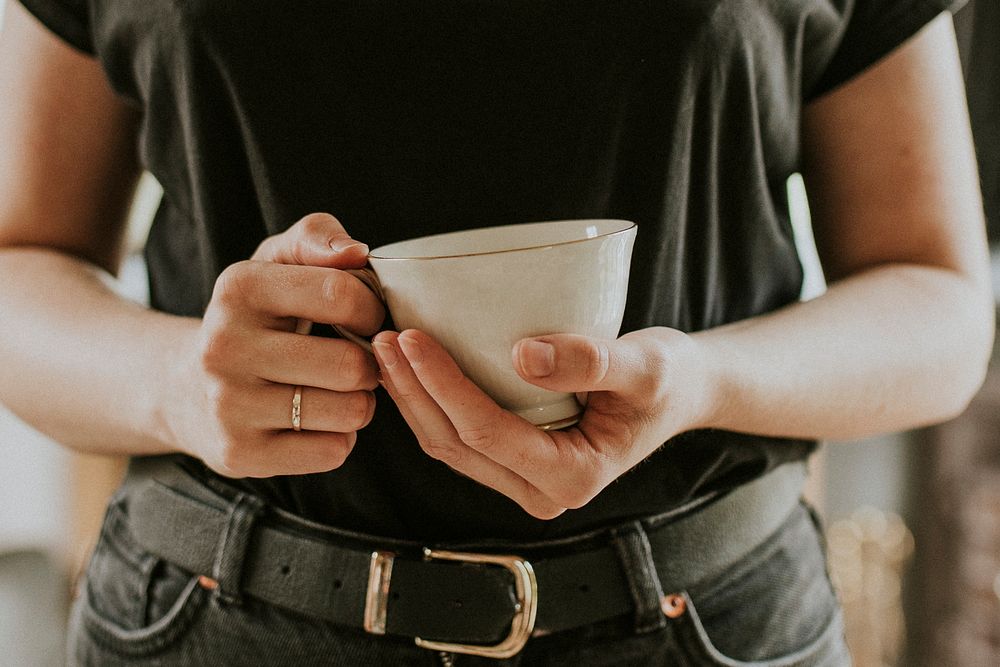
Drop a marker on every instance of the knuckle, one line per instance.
(405, 396)
(597, 362)
(336, 455)
(443, 449)
(360, 409)
(236, 437)
(575, 498)
(297, 253)
(235, 440)
(352, 365)
(335, 458)
(543, 510)
(577, 491)
(655, 364)
(369, 408)
(369, 380)
(316, 224)
(320, 227)
(234, 460)
(480, 437)
(541, 506)
(337, 293)
(236, 283)
(268, 247)
(217, 351)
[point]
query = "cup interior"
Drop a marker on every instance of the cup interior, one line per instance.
(505, 238)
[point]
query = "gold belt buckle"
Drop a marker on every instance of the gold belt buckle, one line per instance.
(522, 624)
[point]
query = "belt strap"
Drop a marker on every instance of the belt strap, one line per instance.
(181, 520)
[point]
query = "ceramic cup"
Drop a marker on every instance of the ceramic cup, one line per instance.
(478, 292)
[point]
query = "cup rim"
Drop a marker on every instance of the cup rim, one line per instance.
(628, 226)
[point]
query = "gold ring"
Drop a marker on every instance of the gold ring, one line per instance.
(297, 409)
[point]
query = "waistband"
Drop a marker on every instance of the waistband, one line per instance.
(486, 602)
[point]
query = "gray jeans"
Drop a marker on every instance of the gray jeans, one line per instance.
(775, 607)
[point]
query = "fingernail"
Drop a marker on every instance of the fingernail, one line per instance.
(343, 245)
(411, 348)
(387, 353)
(537, 358)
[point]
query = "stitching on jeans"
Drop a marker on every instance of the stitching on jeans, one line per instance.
(231, 550)
(636, 556)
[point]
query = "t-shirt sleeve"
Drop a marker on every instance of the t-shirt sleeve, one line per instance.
(68, 19)
(874, 28)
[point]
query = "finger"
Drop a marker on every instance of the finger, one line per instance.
(439, 439)
(300, 453)
(326, 363)
(318, 239)
(483, 425)
(572, 363)
(425, 419)
(273, 293)
(319, 409)
(265, 406)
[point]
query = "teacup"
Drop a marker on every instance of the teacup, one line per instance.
(478, 292)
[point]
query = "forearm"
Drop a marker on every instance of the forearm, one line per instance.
(80, 363)
(891, 348)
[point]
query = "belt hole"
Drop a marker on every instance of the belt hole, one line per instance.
(285, 570)
(584, 588)
(394, 596)
(673, 606)
(337, 583)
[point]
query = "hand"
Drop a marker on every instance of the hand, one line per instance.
(643, 389)
(235, 389)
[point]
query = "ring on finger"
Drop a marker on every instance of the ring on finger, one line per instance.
(297, 409)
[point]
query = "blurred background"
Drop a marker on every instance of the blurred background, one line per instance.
(913, 518)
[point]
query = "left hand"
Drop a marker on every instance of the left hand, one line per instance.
(644, 388)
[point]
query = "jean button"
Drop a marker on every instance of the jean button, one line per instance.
(673, 606)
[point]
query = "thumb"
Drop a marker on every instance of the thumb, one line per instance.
(318, 239)
(572, 363)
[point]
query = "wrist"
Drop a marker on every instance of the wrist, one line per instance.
(716, 380)
(173, 380)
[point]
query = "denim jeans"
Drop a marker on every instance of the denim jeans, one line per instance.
(774, 607)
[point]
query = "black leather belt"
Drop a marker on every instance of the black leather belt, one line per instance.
(456, 600)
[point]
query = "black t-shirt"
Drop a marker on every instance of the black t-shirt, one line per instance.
(409, 118)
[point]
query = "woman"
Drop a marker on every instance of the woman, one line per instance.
(666, 527)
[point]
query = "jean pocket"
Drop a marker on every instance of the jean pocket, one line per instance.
(827, 649)
(133, 603)
(774, 608)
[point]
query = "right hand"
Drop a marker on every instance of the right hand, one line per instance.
(245, 361)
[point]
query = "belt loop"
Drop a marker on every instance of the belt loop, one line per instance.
(230, 554)
(636, 556)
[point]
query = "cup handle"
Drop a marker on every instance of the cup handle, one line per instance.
(367, 276)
